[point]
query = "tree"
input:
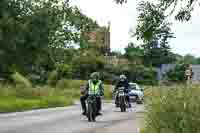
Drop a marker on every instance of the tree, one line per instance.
(198, 60)
(157, 55)
(20, 39)
(86, 62)
(185, 7)
(154, 30)
(31, 30)
(134, 53)
(189, 59)
(72, 27)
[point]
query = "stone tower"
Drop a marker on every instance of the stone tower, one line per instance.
(107, 40)
(100, 38)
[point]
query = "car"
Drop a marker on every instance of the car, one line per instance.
(136, 93)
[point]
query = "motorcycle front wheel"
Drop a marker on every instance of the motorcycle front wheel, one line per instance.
(122, 104)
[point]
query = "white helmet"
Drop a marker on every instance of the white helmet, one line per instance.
(122, 77)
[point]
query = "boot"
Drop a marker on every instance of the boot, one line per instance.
(84, 113)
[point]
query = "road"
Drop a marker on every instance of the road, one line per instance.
(69, 120)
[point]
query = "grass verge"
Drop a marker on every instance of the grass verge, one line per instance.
(172, 109)
(13, 104)
(21, 98)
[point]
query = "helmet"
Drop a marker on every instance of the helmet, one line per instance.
(122, 77)
(95, 76)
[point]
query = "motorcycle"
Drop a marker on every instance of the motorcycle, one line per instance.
(92, 108)
(122, 99)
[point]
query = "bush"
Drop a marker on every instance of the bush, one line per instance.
(6, 90)
(135, 73)
(62, 84)
(177, 74)
(109, 78)
(20, 80)
(141, 74)
(173, 110)
(84, 65)
(66, 83)
(62, 71)
(53, 78)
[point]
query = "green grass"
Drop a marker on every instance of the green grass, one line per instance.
(12, 104)
(174, 109)
(108, 92)
(21, 98)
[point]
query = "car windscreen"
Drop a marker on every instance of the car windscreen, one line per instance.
(132, 87)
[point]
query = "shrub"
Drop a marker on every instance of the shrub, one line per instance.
(20, 80)
(84, 65)
(62, 71)
(109, 78)
(53, 78)
(67, 83)
(6, 90)
(62, 84)
(141, 74)
(177, 74)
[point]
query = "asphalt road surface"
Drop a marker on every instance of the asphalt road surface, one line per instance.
(69, 120)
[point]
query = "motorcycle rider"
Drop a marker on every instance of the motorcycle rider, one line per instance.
(94, 85)
(123, 82)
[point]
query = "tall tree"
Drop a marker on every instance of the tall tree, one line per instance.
(31, 29)
(154, 30)
(189, 59)
(184, 7)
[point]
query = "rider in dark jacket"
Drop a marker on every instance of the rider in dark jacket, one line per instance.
(123, 82)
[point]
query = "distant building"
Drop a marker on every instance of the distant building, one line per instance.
(196, 73)
(100, 38)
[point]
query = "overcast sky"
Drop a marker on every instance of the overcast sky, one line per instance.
(123, 19)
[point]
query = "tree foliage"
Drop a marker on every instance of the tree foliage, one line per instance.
(32, 31)
(154, 30)
(182, 7)
(153, 27)
(177, 74)
(86, 62)
(134, 53)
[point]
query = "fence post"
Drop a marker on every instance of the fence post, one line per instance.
(188, 73)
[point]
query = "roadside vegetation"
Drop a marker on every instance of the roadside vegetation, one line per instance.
(172, 109)
(23, 96)
(46, 55)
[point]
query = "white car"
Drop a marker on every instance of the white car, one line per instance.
(136, 93)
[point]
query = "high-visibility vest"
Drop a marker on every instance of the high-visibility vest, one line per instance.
(94, 88)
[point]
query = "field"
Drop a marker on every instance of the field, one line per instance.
(174, 109)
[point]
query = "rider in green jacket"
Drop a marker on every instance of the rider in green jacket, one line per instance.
(93, 86)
